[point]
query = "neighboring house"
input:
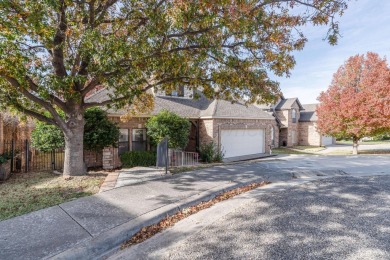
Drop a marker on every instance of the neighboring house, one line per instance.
(299, 124)
(308, 134)
(288, 110)
(237, 129)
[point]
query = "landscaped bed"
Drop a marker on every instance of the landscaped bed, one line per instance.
(27, 192)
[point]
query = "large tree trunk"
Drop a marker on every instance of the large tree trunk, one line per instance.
(355, 145)
(74, 147)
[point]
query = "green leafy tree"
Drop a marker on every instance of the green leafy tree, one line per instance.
(169, 124)
(99, 132)
(53, 53)
(47, 137)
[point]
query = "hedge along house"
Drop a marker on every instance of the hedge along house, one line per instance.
(237, 129)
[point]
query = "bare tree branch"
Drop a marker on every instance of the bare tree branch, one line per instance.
(56, 117)
(53, 98)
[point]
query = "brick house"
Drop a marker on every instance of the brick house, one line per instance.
(237, 129)
(308, 134)
(298, 124)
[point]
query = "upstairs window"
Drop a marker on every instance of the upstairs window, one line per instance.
(294, 116)
(179, 92)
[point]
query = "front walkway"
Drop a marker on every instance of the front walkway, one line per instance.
(247, 157)
(87, 227)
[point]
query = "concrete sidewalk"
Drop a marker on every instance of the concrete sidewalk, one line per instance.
(88, 228)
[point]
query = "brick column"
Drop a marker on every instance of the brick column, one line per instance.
(110, 158)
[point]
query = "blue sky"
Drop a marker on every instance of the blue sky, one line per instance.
(365, 26)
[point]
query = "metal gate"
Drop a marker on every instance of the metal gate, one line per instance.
(25, 158)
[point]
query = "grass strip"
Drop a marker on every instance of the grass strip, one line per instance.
(169, 221)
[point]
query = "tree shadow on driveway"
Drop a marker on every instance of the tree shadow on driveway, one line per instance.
(336, 218)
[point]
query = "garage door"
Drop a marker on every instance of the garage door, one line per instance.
(327, 140)
(241, 142)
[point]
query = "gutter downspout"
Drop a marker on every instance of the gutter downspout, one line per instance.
(197, 140)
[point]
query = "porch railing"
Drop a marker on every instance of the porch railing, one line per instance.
(180, 158)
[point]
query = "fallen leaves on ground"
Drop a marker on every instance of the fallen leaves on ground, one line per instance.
(169, 221)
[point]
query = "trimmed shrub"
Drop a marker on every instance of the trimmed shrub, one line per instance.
(138, 158)
(210, 153)
(99, 131)
(169, 124)
(4, 158)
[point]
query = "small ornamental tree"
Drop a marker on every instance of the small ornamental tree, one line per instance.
(99, 132)
(357, 103)
(169, 124)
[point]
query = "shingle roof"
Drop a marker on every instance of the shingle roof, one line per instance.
(309, 113)
(238, 110)
(287, 104)
(193, 108)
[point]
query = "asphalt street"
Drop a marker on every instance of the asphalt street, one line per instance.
(344, 217)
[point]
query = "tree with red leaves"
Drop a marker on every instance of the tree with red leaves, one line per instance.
(357, 103)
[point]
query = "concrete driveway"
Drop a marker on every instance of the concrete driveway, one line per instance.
(343, 217)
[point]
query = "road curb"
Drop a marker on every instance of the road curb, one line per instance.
(107, 242)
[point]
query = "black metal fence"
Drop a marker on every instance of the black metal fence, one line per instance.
(25, 158)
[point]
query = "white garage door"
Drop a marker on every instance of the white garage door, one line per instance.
(240, 142)
(326, 140)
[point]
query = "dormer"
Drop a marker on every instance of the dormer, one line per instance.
(180, 92)
(288, 111)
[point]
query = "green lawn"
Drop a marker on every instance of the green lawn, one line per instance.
(24, 193)
(364, 143)
(348, 152)
(288, 151)
(309, 149)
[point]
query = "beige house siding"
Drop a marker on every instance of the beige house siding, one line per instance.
(206, 134)
(308, 134)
